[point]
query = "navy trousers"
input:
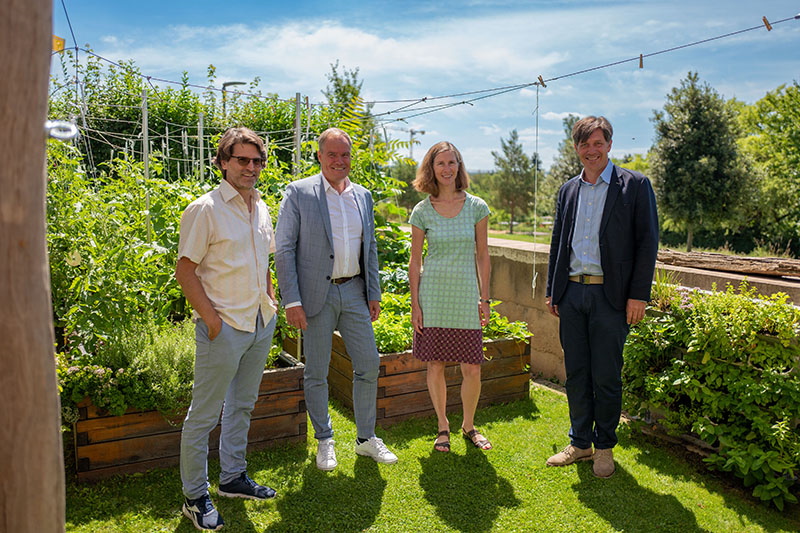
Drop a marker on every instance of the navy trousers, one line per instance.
(592, 335)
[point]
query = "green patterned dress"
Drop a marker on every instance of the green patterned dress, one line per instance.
(448, 291)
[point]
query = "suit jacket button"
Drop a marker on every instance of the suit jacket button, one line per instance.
(328, 278)
(331, 256)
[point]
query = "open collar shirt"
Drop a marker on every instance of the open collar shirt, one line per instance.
(585, 254)
(346, 230)
(231, 246)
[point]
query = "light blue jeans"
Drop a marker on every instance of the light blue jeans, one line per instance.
(227, 375)
(346, 310)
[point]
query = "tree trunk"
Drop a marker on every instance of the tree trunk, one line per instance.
(511, 221)
(689, 235)
(31, 460)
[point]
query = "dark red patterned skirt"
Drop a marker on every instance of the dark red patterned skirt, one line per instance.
(448, 344)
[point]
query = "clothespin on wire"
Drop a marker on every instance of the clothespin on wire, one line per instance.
(766, 23)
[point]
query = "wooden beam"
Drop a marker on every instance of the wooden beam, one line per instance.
(31, 462)
(762, 266)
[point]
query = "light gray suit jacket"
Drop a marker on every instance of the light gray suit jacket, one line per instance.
(304, 242)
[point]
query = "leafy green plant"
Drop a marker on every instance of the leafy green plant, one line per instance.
(723, 366)
(394, 333)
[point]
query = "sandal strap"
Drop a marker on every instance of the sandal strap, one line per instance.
(445, 432)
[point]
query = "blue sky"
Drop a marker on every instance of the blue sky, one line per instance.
(415, 49)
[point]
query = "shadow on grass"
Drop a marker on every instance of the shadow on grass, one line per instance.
(678, 463)
(465, 490)
(415, 428)
(332, 501)
(641, 510)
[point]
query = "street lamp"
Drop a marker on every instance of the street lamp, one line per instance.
(411, 134)
(225, 86)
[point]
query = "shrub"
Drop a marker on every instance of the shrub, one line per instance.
(394, 333)
(724, 366)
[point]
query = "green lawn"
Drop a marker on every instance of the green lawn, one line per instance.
(542, 239)
(506, 489)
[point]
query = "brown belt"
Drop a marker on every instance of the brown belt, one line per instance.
(339, 281)
(586, 279)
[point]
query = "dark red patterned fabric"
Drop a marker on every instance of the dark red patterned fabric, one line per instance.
(448, 344)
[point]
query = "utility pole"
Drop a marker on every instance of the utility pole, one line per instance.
(411, 134)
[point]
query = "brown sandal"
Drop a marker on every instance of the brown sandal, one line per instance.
(443, 446)
(477, 439)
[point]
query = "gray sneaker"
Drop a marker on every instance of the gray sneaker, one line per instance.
(375, 448)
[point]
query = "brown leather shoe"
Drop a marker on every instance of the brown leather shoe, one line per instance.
(604, 463)
(569, 455)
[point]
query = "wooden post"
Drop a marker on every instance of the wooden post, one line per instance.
(31, 462)
(297, 133)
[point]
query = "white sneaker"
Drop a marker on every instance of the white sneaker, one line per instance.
(326, 455)
(375, 448)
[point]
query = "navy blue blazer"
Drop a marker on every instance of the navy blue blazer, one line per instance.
(628, 238)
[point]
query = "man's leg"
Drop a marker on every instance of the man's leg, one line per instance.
(240, 399)
(573, 310)
(608, 330)
(355, 325)
(214, 368)
(317, 348)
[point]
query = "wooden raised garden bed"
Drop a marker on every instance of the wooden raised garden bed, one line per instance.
(140, 440)
(402, 387)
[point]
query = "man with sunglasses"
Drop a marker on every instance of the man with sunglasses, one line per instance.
(223, 268)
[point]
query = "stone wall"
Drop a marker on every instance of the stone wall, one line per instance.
(513, 266)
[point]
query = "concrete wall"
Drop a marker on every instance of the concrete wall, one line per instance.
(513, 265)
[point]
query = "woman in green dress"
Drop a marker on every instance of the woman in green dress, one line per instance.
(450, 295)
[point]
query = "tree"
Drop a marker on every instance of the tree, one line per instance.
(771, 140)
(513, 183)
(344, 96)
(32, 462)
(698, 173)
(566, 165)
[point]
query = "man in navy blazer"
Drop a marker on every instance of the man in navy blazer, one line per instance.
(327, 265)
(602, 260)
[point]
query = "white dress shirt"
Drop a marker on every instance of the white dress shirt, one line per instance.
(346, 229)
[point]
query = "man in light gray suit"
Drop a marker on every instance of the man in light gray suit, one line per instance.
(327, 265)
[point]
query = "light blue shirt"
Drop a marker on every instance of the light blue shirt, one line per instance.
(584, 256)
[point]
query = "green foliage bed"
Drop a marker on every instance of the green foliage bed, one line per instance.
(725, 367)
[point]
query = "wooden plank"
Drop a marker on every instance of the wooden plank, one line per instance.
(124, 427)
(281, 379)
(269, 405)
(764, 266)
(165, 445)
(143, 466)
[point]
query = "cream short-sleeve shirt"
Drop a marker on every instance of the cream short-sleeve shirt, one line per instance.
(231, 247)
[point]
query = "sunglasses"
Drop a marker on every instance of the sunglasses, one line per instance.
(245, 161)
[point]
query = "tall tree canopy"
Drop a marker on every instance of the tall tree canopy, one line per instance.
(567, 164)
(696, 167)
(513, 183)
(771, 140)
